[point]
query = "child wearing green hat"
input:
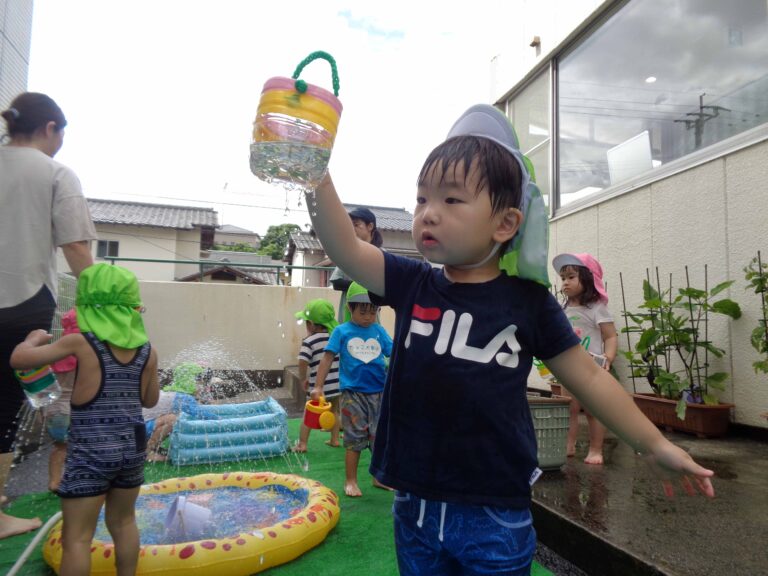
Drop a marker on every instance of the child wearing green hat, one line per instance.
(362, 345)
(117, 375)
(320, 319)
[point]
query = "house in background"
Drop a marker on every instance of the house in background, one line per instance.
(225, 267)
(229, 235)
(158, 231)
(304, 249)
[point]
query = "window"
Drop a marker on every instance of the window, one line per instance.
(658, 80)
(107, 249)
(529, 113)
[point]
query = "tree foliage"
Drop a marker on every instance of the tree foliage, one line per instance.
(276, 239)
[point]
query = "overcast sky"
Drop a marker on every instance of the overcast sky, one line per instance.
(160, 95)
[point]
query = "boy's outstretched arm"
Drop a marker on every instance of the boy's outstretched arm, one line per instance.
(36, 351)
(322, 373)
(604, 397)
(359, 260)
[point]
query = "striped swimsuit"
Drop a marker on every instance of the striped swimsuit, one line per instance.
(107, 439)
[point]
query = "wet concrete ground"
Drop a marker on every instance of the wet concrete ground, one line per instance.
(615, 519)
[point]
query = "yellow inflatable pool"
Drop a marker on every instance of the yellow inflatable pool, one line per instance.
(247, 552)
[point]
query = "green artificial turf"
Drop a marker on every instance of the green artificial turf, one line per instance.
(361, 543)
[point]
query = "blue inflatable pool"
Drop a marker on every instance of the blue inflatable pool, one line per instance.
(206, 434)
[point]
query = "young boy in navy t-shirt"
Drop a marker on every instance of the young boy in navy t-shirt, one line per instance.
(455, 437)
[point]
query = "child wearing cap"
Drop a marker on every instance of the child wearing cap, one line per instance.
(319, 317)
(455, 437)
(116, 376)
(586, 308)
(362, 345)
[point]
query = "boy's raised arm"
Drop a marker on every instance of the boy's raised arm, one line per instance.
(604, 397)
(322, 373)
(360, 260)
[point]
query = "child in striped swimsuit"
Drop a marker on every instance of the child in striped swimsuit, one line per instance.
(117, 375)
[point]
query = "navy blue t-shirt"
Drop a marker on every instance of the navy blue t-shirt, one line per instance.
(455, 424)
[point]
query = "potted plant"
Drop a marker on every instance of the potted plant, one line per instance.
(756, 274)
(672, 353)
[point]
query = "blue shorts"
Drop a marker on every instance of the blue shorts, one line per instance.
(441, 538)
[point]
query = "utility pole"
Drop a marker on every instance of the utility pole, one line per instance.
(701, 118)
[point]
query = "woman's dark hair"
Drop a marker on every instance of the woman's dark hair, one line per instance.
(587, 281)
(31, 111)
(365, 215)
(497, 168)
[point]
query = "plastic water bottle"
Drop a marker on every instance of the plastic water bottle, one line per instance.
(40, 386)
(295, 128)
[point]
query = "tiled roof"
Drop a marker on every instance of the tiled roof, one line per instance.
(305, 241)
(146, 214)
(230, 229)
(395, 219)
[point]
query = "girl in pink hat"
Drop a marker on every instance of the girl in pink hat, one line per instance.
(586, 307)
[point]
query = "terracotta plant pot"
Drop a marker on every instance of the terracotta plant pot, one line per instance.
(706, 421)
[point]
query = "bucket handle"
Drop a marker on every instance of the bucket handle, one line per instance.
(301, 85)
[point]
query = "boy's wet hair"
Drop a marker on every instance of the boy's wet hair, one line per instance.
(587, 280)
(497, 169)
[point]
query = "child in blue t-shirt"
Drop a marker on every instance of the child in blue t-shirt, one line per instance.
(362, 345)
(455, 437)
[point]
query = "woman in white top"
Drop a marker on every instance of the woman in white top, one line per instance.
(43, 208)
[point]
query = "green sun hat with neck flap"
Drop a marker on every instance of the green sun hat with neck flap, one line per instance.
(319, 311)
(108, 304)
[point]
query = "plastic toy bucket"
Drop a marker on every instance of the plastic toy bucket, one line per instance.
(318, 415)
(294, 98)
(186, 521)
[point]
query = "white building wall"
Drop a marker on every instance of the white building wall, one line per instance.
(301, 277)
(142, 242)
(187, 248)
(712, 214)
(15, 37)
(553, 21)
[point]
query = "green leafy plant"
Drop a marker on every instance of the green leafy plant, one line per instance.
(756, 274)
(673, 347)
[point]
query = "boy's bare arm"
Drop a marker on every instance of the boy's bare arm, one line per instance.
(322, 373)
(359, 260)
(604, 397)
(36, 351)
(150, 387)
(303, 367)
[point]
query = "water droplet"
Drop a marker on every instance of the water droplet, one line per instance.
(314, 214)
(299, 288)
(279, 324)
(261, 559)
(299, 322)
(279, 380)
(305, 465)
(282, 335)
(279, 360)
